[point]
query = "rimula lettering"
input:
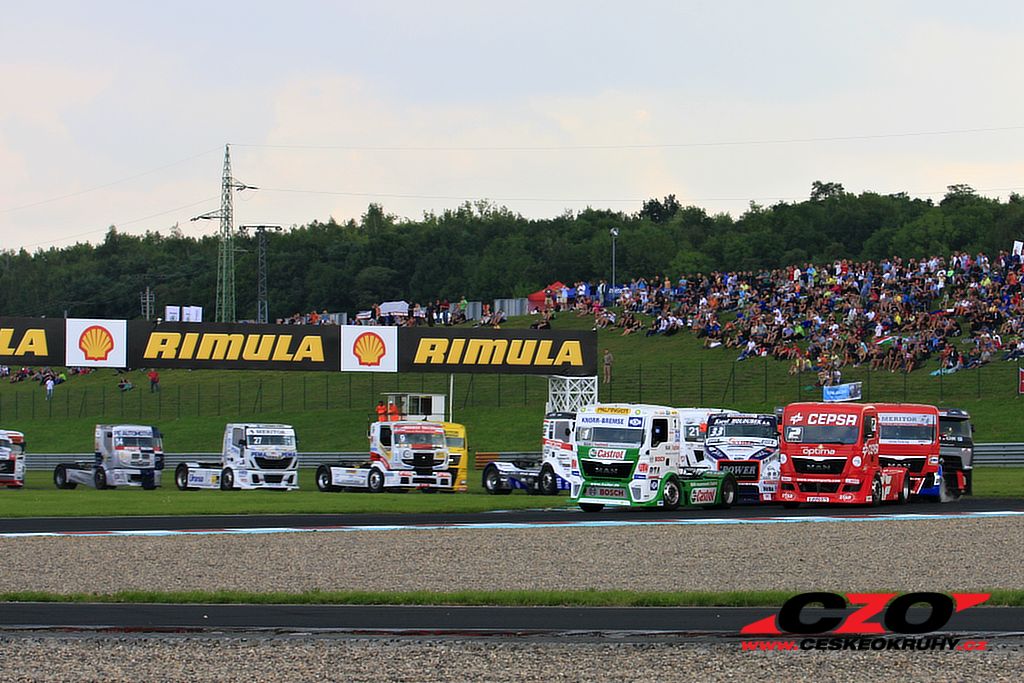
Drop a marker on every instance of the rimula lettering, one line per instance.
(439, 351)
(233, 347)
(33, 342)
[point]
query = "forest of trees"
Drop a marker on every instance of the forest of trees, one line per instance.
(484, 251)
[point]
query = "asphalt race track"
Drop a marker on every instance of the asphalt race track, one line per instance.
(347, 620)
(525, 517)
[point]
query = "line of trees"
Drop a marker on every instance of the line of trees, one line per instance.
(484, 251)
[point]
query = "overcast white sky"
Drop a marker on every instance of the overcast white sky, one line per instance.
(118, 112)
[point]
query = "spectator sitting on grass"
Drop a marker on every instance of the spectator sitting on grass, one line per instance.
(124, 385)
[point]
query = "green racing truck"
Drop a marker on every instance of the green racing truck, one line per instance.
(633, 455)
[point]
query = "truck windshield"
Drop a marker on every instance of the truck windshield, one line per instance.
(748, 428)
(907, 434)
(822, 434)
(455, 442)
(952, 427)
(133, 442)
(5, 443)
(592, 436)
(435, 439)
(271, 440)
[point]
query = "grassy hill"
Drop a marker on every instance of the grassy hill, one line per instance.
(330, 411)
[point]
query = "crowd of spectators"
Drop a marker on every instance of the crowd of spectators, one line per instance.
(892, 315)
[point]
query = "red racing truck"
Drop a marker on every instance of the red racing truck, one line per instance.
(830, 455)
(909, 437)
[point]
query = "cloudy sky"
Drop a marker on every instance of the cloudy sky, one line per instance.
(117, 113)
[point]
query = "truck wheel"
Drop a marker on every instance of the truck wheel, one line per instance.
(672, 495)
(375, 481)
(60, 478)
(227, 479)
(181, 478)
(492, 482)
(99, 478)
(876, 492)
(949, 489)
(591, 507)
(727, 496)
(323, 479)
(548, 482)
(904, 492)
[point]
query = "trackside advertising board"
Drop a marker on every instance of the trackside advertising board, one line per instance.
(31, 341)
(519, 352)
(79, 342)
(234, 346)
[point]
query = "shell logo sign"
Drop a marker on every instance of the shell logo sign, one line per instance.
(96, 343)
(369, 348)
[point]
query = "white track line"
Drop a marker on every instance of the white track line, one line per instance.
(704, 521)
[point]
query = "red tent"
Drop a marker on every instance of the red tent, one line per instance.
(537, 298)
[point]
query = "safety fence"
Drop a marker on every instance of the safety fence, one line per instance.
(756, 383)
(1005, 454)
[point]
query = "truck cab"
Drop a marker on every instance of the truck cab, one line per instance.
(548, 472)
(458, 455)
(253, 456)
(123, 455)
(909, 437)
(956, 450)
(830, 455)
(404, 454)
(695, 428)
(747, 445)
(12, 459)
(631, 455)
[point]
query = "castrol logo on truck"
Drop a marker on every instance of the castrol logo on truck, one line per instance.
(608, 453)
(825, 419)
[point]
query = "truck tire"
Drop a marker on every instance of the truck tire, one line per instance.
(375, 481)
(904, 496)
(949, 489)
(181, 478)
(547, 482)
(492, 482)
(99, 478)
(60, 478)
(323, 480)
(591, 507)
(672, 495)
(876, 492)
(727, 494)
(227, 479)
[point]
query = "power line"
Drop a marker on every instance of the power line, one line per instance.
(120, 223)
(636, 146)
(106, 185)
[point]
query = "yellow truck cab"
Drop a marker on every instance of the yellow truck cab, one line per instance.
(458, 455)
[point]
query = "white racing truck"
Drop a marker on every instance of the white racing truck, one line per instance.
(253, 456)
(123, 455)
(548, 474)
(695, 428)
(404, 455)
(748, 446)
(12, 459)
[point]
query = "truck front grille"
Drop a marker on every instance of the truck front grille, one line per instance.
(811, 466)
(912, 464)
(607, 470)
(274, 463)
(819, 486)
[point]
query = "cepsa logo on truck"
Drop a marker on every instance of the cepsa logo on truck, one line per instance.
(830, 455)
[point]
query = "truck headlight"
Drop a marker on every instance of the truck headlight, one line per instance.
(857, 461)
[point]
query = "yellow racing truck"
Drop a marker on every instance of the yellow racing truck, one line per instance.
(458, 455)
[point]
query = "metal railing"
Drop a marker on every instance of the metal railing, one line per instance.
(996, 454)
(47, 461)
